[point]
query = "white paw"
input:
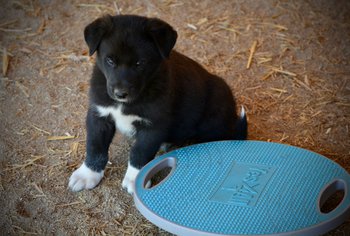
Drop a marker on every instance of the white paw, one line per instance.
(129, 179)
(165, 147)
(84, 178)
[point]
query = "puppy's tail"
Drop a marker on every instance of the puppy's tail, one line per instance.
(241, 129)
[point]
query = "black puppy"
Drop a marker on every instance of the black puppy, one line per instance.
(150, 92)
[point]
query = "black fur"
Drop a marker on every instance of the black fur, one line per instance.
(180, 99)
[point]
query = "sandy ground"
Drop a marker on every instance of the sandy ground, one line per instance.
(296, 91)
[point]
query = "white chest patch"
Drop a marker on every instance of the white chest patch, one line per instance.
(124, 123)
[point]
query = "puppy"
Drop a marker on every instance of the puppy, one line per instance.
(147, 91)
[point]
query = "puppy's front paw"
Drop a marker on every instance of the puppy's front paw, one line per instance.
(84, 178)
(129, 179)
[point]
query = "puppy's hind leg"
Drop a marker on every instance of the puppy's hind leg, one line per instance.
(241, 126)
(100, 132)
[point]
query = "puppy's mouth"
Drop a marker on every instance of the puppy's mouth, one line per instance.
(120, 95)
(124, 100)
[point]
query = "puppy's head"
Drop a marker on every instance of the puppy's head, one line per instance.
(129, 51)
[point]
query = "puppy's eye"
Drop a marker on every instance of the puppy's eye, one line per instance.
(140, 63)
(110, 62)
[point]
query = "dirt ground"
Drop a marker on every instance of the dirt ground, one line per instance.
(296, 91)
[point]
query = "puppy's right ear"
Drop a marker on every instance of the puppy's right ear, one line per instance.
(95, 31)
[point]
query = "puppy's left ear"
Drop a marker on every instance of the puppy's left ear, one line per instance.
(96, 30)
(163, 35)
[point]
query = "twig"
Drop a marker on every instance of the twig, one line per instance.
(22, 231)
(302, 84)
(191, 26)
(8, 53)
(268, 75)
(40, 190)
(68, 204)
(117, 9)
(26, 163)
(252, 51)
(15, 30)
(229, 29)
(41, 27)
(90, 5)
(41, 130)
(75, 58)
(284, 72)
(55, 138)
(22, 88)
(253, 88)
(8, 23)
(280, 27)
(287, 98)
(5, 62)
(279, 90)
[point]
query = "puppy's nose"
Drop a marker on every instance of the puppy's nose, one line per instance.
(121, 94)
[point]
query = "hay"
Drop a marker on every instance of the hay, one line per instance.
(15, 30)
(58, 138)
(41, 27)
(284, 61)
(276, 26)
(39, 190)
(5, 62)
(23, 89)
(191, 26)
(252, 51)
(7, 23)
(98, 7)
(39, 129)
(284, 72)
(117, 9)
(27, 163)
(69, 204)
(22, 231)
(267, 75)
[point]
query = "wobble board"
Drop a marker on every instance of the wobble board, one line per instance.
(243, 188)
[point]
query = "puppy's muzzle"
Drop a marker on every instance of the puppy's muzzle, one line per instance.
(121, 94)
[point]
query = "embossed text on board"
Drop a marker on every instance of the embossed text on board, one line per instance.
(243, 184)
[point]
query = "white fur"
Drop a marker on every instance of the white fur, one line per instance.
(129, 179)
(165, 147)
(243, 112)
(84, 178)
(123, 122)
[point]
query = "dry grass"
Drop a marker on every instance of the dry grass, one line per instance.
(252, 51)
(287, 63)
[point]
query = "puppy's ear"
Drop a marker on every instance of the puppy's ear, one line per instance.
(95, 31)
(163, 35)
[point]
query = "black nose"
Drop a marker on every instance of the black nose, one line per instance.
(120, 94)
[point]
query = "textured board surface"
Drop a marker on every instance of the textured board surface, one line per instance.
(240, 188)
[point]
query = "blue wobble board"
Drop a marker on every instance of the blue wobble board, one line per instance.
(243, 188)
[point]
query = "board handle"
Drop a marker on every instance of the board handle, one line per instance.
(152, 169)
(336, 195)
